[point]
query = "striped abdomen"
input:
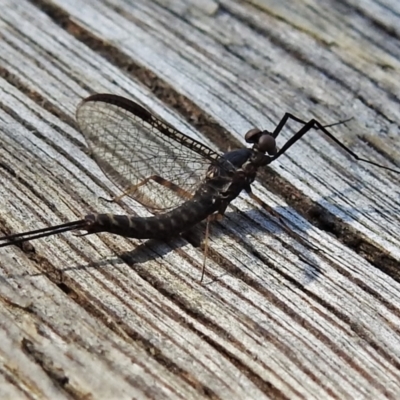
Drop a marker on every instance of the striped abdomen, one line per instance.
(158, 227)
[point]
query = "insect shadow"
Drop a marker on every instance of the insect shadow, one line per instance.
(244, 228)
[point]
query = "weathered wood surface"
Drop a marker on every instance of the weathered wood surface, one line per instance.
(106, 317)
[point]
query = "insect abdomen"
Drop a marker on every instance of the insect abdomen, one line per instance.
(123, 225)
(158, 227)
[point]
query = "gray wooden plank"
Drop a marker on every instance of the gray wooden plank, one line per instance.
(281, 320)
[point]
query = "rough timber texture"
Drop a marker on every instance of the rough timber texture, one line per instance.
(104, 317)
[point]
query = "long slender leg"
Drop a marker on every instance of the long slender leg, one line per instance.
(314, 124)
(218, 216)
(288, 116)
(158, 179)
(323, 129)
(310, 125)
(203, 269)
(283, 122)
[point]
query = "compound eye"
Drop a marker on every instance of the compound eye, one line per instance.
(252, 135)
(267, 144)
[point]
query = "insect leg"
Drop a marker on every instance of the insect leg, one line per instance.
(283, 122)
(314, 124)
(323, 129)
(288, 116)
(203, 269)
(307, 126)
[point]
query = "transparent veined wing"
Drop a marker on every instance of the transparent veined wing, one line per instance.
(135, 148)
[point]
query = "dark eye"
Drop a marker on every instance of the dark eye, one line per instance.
(252, 135)
(267, 144)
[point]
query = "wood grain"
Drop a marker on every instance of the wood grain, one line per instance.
(107, 317)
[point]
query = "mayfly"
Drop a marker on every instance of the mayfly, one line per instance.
(177, 178)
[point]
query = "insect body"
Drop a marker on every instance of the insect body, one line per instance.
(178, 178)
(224, 177)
